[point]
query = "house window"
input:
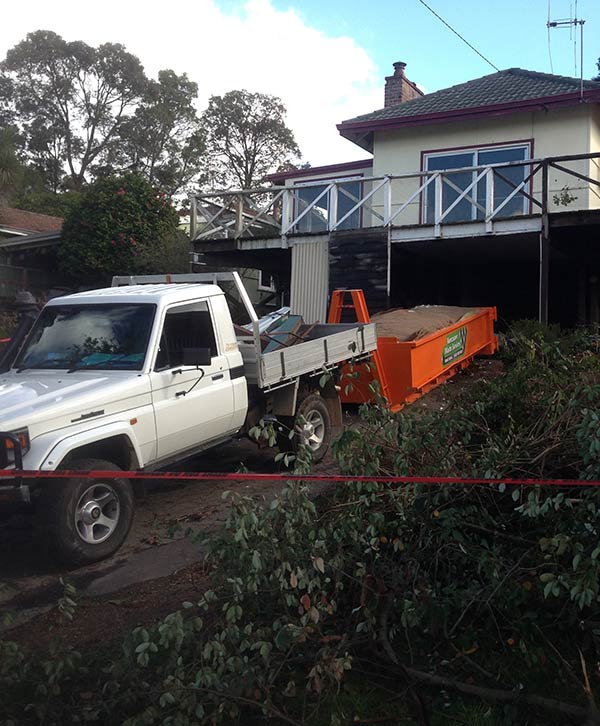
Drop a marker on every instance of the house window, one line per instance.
(505, 181)
(266, 283)
(349, 193)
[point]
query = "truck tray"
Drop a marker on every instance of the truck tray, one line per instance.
(326, 346)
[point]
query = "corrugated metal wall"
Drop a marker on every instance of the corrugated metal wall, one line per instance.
(310, 280)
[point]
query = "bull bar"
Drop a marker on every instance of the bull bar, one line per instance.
(12, 489)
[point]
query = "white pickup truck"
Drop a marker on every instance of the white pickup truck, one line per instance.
(143, 374)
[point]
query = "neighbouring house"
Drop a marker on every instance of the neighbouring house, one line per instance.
(28, 246)
(485, 193)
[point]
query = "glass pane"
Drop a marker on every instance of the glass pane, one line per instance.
(505, 180)
(186, 326)
(464, 209)
(316, 219)
(348, 195)
(89, 336)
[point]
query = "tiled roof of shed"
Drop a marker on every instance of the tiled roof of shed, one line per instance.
(508, 86)
(22, 221)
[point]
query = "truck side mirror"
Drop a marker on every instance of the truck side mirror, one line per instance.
(197, 357)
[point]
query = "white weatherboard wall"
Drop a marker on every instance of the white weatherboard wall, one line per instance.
(557, 132)
(310, 280)
(595, 163)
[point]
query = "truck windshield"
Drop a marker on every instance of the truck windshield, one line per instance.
(77, 337)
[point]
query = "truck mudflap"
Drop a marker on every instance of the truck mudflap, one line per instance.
(11, 454)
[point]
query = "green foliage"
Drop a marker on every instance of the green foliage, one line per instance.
(247, 137)
(497, 585)
(59, 204)
(24, 187)
(122, 225)
(564, 197)
(82, 112)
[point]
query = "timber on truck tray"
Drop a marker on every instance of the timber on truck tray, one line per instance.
(417, 349)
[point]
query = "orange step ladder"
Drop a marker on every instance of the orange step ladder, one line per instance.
(358, 305)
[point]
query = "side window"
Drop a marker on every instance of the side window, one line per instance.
(185, 326)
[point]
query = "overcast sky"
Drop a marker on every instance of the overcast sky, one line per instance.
(325, 58)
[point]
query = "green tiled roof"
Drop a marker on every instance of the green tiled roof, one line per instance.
(508, 86)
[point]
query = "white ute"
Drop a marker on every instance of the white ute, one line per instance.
(144, 374)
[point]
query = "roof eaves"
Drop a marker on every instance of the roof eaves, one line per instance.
(13, 231)
(31, 241)
(329, 168)
(568, 99)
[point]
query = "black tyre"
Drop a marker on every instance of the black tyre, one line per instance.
(312, 426)
(86, 520)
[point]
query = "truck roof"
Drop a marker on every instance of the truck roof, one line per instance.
(159, 293)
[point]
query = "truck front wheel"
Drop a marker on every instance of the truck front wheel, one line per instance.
(86, 520)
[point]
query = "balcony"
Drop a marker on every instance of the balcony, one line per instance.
(493, 199)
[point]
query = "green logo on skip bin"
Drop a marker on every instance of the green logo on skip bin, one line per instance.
(456, 344)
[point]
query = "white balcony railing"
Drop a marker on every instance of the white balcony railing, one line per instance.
(433, 198)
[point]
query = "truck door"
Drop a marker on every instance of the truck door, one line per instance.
(192, 405)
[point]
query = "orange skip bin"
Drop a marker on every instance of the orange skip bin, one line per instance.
(407, 369)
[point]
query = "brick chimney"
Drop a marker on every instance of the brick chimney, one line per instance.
(398, 88)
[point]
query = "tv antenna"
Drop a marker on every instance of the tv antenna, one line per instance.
(571, 23)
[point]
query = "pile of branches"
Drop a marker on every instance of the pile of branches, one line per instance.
(438, 599)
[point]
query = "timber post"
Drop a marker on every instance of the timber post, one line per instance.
(544, 249)
(193, 217)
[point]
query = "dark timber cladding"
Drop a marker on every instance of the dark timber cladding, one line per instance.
(359, 259)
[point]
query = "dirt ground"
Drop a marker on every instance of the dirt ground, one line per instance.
(159, 566)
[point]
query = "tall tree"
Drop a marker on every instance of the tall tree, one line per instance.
(164, 140)
(247, 138)
(69, 101)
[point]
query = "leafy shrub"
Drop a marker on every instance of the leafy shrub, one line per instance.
(121, 226)
(375, 584)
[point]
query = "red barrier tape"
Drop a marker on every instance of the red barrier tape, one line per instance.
(248, 476)
(4, 340)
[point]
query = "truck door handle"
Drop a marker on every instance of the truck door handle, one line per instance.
(218, 376)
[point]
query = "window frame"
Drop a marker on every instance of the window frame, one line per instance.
(170, 308)
(325, 181)
(475, 150)
(264, 288)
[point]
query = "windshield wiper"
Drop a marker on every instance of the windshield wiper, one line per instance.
(100, 364)
(37, 366)
(23, 368)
